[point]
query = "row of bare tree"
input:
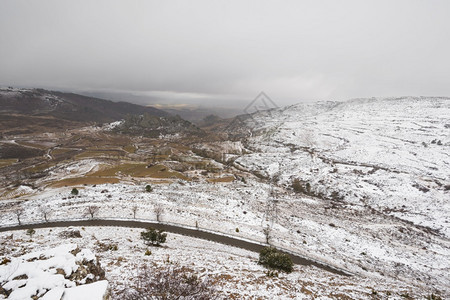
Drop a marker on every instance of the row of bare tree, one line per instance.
(90, 211)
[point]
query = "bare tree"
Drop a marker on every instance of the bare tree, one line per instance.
(91, 210)
(267, 230)
(158, 211)
(271, 211)
(19, 212)
(134, 209)
(309, 139)
(45, 212)
(270, 214)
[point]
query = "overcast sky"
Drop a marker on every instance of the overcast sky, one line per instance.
(214, 51)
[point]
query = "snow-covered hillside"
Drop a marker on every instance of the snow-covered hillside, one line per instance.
(392, 154)
(372, 193)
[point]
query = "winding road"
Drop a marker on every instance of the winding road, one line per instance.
(197, 233)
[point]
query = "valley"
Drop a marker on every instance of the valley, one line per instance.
(360, 185)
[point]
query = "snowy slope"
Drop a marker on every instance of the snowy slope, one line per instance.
(352, 237)
(392, 154)
(378, 205)
(234, 272)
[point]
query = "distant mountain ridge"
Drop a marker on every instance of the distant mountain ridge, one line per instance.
(68, 106)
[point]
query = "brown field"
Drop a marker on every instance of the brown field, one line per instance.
(179, 147)
(32, 145)
(122, 157)
(222, 179)
(59, 151)
(100, 153)
(84, 180)
(130, 149)
(159, 157)
(7, 162)
(12, 193)
(11, 150)
(39, 168)
(13, 124)
(140, 170)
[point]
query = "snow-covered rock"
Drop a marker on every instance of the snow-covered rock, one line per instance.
(50, 273)
(93, 291)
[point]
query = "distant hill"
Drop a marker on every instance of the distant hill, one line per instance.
(151, 126)
(68, 106)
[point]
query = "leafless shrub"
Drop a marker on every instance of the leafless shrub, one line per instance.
(308, 139)
(158, 212)
(19, 212)
(134, 209)
(91, 210)
(167, 283)
(103, 247)
(70, 234)
(45, 212)
(267, 233)
(271, 211)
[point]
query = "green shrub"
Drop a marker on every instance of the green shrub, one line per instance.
(148, 188)
(30, 232)
(148, 252)
(237, 229)
(153, 237)
(74, 192)
(272, 258)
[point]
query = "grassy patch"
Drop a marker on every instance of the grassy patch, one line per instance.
(159, 157)
(7, 162)
(179, 147)
(140, 170)
(84, 180)
(13, 193)
(100, 153)
(59, 151)
(196, 162)
(11, 150)
(39, 167)
(130, 149)
(33, 145)
(222, 179)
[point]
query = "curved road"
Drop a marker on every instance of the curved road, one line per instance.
(197, 233)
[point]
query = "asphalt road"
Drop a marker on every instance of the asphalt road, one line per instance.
(244, 244)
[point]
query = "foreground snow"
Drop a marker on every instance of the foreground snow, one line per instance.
(369, 244)
(234, 271)
(46, 274)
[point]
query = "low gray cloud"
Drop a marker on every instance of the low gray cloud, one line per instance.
(211, 52)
